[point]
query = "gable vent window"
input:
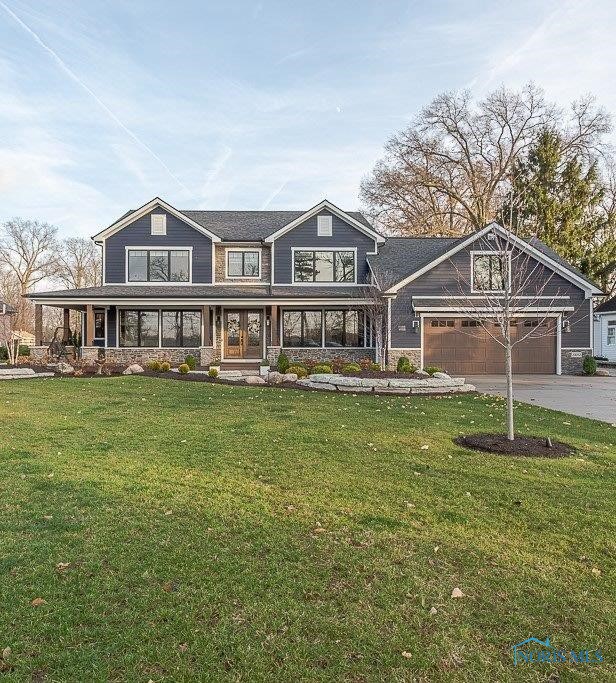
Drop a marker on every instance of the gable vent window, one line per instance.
(159, 224)
(324, 226)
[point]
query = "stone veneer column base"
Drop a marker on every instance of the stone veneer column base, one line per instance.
(206, 355)
(90, 353)
(318, 354)
(38, 353)
(572, 360)
(141, 356)
(393, 355)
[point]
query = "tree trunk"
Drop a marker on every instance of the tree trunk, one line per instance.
(509, 375)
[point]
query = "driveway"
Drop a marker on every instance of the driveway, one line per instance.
(593, 397)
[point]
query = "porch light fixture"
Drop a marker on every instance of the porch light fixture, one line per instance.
(566, 326)
(415, 326)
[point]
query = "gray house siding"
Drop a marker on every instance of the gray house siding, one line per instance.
(442, 280)
(305, 235)
(137, 234)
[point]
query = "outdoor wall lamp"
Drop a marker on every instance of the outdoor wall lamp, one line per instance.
(415, 326)
(566, 326)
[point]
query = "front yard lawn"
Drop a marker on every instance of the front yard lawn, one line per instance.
(181, 531)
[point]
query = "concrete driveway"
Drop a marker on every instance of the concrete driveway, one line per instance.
(593, 397)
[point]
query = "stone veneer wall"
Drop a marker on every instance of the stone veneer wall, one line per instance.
(393, 355)
(219, 265)
(319, 354)
(572, 360)
(142, 356)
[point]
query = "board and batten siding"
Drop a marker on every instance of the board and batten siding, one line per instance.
(138, 234)
(305, 235)
(442, 280)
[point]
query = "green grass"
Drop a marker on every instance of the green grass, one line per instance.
(188, 513)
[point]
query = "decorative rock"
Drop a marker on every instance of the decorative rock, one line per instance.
(373, 382)
(289, 377)
(323, 386)
(324, 377)
(253, 379)
(354, 389)
(422, 373)
(275, 378)
(602, 372)
(441, 375)
(342, 381)
(134, 369)
(68, 369)
(15, 372)
(392, 390)
(402, 383)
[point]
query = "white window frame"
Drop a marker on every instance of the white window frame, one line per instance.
(489, 252)
(322, 284)
(611, 326)
(324, 226)
(189, 249)
(241, 277)
(160, 312)
(161, 229)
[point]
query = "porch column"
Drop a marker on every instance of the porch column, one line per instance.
(205, 317)
(38, 324)
(89, 325)
(274, 326)
(66, 322)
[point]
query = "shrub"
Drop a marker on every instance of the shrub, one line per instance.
(431, 369)
(213, 372)
(299, 370)
(283, 362)
(165, 366)
(154, 365)
(265, 363)
(403, 363)
(589, 365)
(4, 354)
(337, 363)
(375, 367)
(191, 361)
(351, 368)
(321, 368)
(23, 350)
(366, 363)
(184, 368)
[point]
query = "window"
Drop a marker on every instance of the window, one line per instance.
(470, 323)
(138, 328)
(324, 226)
(489, 272)
(611, 333)
(344, 328)
(158, 225)
(158, 265)
(323, 266)
(99, 324)
(243, 264)
(302, 328)
(442, 323)
(180, 328)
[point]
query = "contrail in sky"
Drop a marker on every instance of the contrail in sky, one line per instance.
(73, 76)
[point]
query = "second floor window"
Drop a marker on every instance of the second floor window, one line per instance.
(243, 264)
(158, 265)
(324, 266)
(490, 272)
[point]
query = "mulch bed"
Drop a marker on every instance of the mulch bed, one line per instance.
(521, 446)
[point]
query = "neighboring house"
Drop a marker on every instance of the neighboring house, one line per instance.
(24, 338)
(5, 309)
(605, 330)
(239, 286)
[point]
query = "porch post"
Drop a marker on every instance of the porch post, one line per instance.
(205, 316)
(274, 325)
(89, 325)
(66, 325)
(38, 324)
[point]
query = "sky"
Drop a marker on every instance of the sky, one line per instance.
(254, 105)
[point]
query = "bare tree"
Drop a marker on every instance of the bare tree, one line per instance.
(514, 288)
(79, 263)
(448, 172)
(28, 251)
(377, 309)
(7, 339)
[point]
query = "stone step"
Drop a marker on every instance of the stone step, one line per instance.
(17, 371)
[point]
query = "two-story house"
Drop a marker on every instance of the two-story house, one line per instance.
(240, 286)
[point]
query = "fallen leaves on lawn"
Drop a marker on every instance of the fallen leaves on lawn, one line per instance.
(6, 653)
(433, 611)
(457, 593)
(37, 602)
(406, 655)
(183, 647)
(168, 586)
(62, 566)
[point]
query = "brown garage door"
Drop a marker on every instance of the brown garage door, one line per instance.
(464, 347)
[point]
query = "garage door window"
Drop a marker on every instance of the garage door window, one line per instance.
(442, 323)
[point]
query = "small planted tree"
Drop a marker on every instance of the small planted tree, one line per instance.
(8, 341)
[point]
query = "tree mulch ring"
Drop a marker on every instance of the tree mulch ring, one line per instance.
(521, 446)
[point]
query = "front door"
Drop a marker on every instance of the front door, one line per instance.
(243, 335)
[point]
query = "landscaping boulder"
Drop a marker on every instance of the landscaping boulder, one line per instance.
(65, 368)
(441, 375)
(275, 378)
(289, 377)
(253, 379)
(602, 372)
(422, 373)
(134, 369)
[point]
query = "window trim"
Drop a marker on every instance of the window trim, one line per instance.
(367, 328)
(139, 311)
(611, 325)
(323, 284)
(489, 252)
(128, 249)
(160, 311)
(241, 250)
(100, 312)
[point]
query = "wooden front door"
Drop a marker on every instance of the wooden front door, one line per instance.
(243, 334)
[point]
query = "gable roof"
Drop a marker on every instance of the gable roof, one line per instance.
(533, 246)
(362, 226)
(6, 309)
(608, 306)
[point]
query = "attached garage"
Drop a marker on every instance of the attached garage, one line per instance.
(463, 346)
